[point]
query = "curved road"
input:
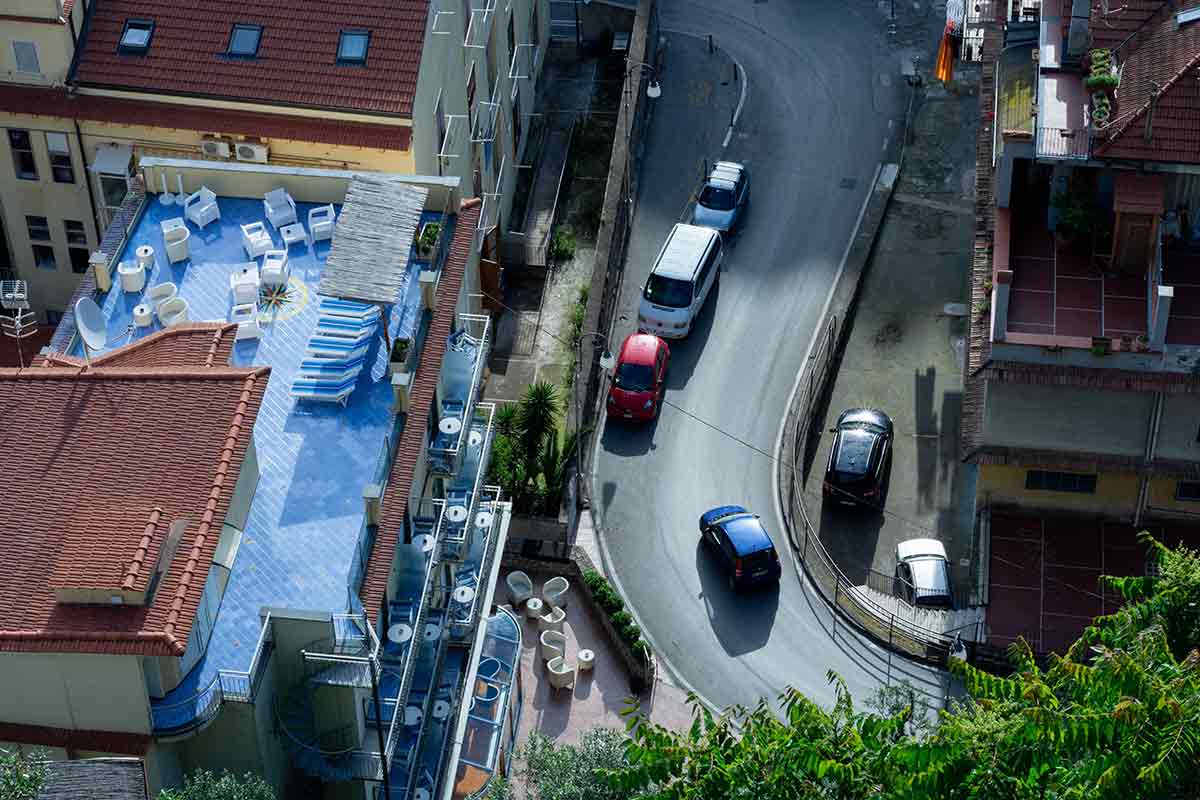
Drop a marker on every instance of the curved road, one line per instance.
(811, 131)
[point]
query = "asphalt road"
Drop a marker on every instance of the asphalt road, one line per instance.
(812, 130)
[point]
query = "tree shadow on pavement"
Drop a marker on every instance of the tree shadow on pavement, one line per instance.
(741, 620)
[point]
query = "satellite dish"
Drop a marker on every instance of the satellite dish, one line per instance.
(90, 322)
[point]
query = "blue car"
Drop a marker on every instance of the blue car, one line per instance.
(741, 545)
(723, 197)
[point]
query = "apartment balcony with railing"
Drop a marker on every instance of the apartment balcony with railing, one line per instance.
(1063, 105)
(458, 391)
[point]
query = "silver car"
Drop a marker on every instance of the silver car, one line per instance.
(722, 199)
(923, 574)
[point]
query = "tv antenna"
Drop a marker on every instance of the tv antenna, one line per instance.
(20, 323)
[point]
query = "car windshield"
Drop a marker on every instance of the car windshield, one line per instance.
(716, 198)
(669, 292)
(633, 377)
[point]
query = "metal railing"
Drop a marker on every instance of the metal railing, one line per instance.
(1063, 143)
(410, 661)
(352, 657)
(452, 541)
(478, 328)
(488, 554)
(848, 601)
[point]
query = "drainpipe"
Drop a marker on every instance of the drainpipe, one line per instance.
(1148, 458)
(88, 183)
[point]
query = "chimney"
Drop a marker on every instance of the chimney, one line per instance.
(1000, 297)
(372, 493)
(98, 261)
(1162, 313)
(428, 282)
(401, 386)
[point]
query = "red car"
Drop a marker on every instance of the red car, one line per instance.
(639, 378)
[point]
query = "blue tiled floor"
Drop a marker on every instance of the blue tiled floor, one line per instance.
(314, 458)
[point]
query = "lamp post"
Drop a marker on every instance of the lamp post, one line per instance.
(606, 363)
(653, 91)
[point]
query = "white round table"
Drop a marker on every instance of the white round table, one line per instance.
(143, 315)
(483, 519)
(421, 793)
(400, 633)
(440, 710)
(464, 594)
(424, 541)
(432, 631)
(533, 607)
(450, 425)
(145, 256)
(474, 438)
(412, 716)
(456, 513)
(586, 660)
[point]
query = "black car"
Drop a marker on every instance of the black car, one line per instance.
(858, 460)
(741, 545)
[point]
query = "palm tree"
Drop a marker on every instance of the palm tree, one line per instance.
(536, 420)
(553, 463)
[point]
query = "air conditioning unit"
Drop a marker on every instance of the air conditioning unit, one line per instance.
(214, 148)
(252, 151)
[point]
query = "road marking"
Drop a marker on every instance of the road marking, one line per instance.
(742, 88)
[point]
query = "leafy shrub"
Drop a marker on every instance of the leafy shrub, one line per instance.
(630, 632)
(1101, 82)
(641, 648)
(594, 580)
(620, 619)
(562, 245)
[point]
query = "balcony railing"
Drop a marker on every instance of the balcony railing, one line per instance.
(410, 662)
(462, 369)
(346, 657)
(464, 620)
(1063, 143)
(453, 538)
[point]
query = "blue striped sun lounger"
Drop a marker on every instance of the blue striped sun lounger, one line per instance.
(338, 346)
(333, 307)
(323, 390)
(330, 366)
(342, 326)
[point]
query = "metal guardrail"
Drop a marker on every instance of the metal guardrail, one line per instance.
(847, 599)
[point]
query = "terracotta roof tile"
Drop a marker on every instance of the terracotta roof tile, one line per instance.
(296, 63)
(1122, 19)
(1158, 101)
(413, 438)
(133, 744)
(199, 344)
(29, 347)
(111, 457)
(59, 103)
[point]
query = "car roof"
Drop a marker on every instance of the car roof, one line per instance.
(869, 416)
(745, 533)
(683, 251)
(731, 166)
(722, 181)
(639, 348)
(916, 548)
(854, 450)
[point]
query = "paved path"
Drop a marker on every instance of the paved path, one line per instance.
(823, 85)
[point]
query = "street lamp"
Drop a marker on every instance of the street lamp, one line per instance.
(606, 363)
(653, 91)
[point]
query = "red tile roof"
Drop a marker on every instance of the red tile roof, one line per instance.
(29, 347)
(297, 56)
(168, 442)
(1124, 17)
(132, 744)
(413, 438)
(59, 103)
(1158, 102)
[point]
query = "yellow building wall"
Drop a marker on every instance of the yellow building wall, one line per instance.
(53, 44)
(74, 690)
(1162, 498)
(1116, 492)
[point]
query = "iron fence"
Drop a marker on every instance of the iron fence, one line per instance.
(1063, 143)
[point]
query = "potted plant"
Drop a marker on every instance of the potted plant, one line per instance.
(398, 360)
(1079, 219)
(428, 238)
(1141, 344)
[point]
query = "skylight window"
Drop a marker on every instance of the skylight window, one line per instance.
(352, 47)
(243, 41)
(136, 36)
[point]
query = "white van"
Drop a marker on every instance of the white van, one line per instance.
(684, 272)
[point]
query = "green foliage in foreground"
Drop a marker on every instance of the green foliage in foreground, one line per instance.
(21, 777)
(205, 785)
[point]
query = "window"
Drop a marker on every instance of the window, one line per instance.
(466, 12)
(243, 41)
(26, 57)
(75, 232)
(439, 118)
(1188, 491)
(535, 24)
(79, 259)
(516, 119)
(471, 96)
(114, 188)
(43, 256)
(136, 36)
(512, 36)
(352, 47)
(22, 152)
(39, 229)
(1060, 482)
(53, 317)
(60, 158)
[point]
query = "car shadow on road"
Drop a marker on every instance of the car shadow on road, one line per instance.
(685, 353)
(742, 620)
(628, 438)
(850, 535)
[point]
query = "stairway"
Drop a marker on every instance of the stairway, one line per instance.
(302, 743)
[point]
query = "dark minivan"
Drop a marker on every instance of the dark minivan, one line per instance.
(741, 545)
(858, 459)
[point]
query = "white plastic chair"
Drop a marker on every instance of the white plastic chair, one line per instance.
(177, 238)
(201, 207)
(552, 620)
(248, 330)
(275, 269)
(553, 643)
(561, 676)
(173, 311)
(255, 239)
(520, 587)
(157, 295)
(320, 223)
(279, 207)
(554, 592)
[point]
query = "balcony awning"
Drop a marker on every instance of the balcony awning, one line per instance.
(368, 260)
(112, 159)
(1139, 194)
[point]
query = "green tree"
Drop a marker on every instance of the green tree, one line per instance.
(568, 772)
(528, 459)
(21, 776)
(1117, 716)
(205, 785)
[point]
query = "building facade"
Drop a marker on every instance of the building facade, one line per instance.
(401, 87)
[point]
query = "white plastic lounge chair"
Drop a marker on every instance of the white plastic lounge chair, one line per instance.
(561, 676)
(275, 269)
(320, 223)
(552, 620)
(279, 207)
(201, 207)
(520, 588)
(256, 240)
(554, 592)
(553, 643)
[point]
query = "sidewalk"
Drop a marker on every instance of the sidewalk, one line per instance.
(905, 352)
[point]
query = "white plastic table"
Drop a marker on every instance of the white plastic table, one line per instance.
(424, 541)
(450, 425)
(293, 234)
(533, 607)
(400, 633)
(586, 660)
(464, 594)
(143, 315)
(456, 513)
